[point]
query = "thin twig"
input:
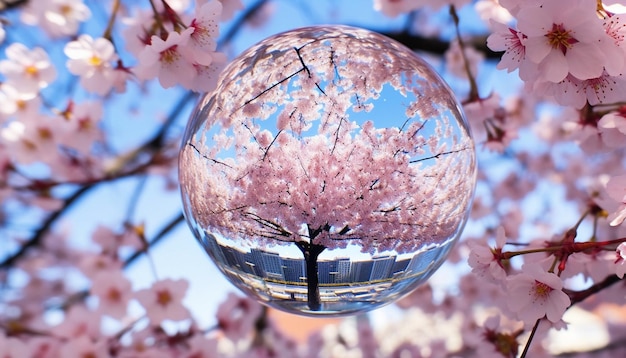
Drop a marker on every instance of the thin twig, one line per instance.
(158, 237)
(530, 339)
(47, 224)
(171, 225)
(151, 146)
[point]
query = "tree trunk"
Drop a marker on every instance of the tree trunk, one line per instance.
(311, 253)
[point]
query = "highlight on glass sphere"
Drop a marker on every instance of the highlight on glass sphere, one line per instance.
(329, 173)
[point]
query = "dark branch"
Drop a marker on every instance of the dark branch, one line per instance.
(307, 70)
(269, 224)
(437, 46)
(47, 224)
(272, 143)
(579, 296)
(152, 146)
(157, 238)
(11, 4)
(205, 157)
(271, 87)
(81, 295)
(438, 155)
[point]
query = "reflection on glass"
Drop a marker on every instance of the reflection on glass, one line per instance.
(330, 171)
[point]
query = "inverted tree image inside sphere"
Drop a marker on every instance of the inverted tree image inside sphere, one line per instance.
(329, 173)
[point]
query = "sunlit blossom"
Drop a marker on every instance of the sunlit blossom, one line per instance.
(56, 17)
(92, 60)
(170, 60)
(27, 70)
(163, 300)
(570, 39)
(535, 293)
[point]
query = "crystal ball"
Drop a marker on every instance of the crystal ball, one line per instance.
(329, 173)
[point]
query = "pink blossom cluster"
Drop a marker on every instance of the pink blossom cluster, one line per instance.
(178, 50)
(574, 54)
(546, 236)
(396, 202)
(570, 58)
(175, 46)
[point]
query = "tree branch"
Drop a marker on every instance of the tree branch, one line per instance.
(43, 229)
(437, 46)
(579, 296)
(81, 295)
(152, 146)
(10, 4)
(157, 238)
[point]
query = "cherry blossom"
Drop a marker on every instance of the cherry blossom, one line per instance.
(79, 322)
(500, 342)
(27, 70)
(455, 60)
(535, 293)
(567, 40)
(511, 41)
(207, 76)
(68, 284)
(56, 17)
(595, 266)
(576, 93)
(91, 59)
(620, 262)
(91, 264)
(137, 34)
(80, 126)
(201, 347)
(44, 347)
(205, 32)
(33, 141)
(491, 11)
(18, 104)
(230, 7)
(393, 8)
(114, 291)
(615, 27)
(612, 128)
(479, 111)
(111, 242)
(163, 300)
(513, 6)
(13, 347)
(170, 60)
(486, 261)
(237, 316)
(83, 346)
(616, 189)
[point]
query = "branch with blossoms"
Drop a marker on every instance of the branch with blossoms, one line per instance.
(546, 237)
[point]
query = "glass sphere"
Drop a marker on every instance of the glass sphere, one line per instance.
(330, 172)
